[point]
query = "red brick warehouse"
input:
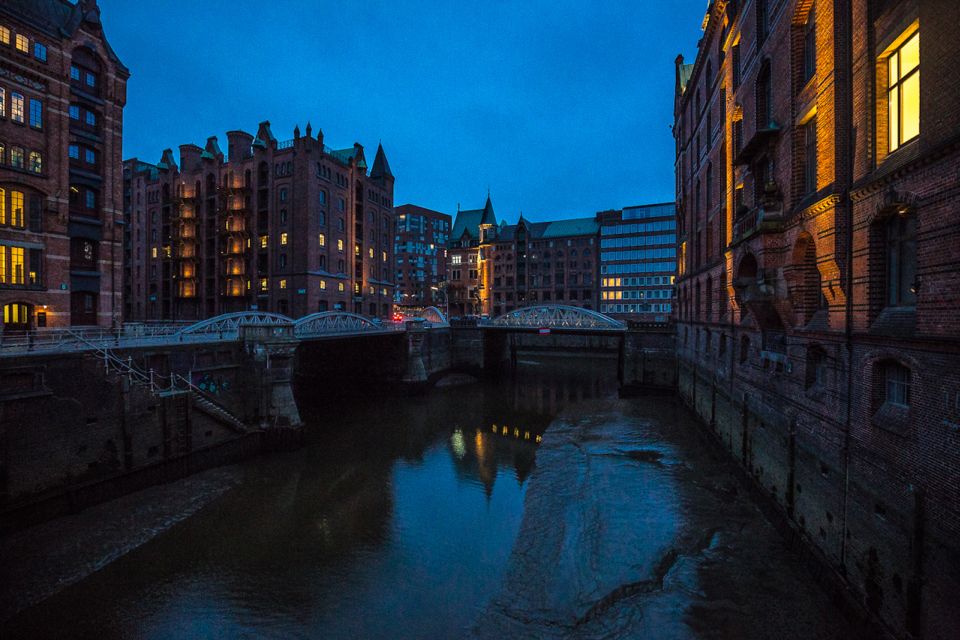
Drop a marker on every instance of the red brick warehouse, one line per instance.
(818, 287)
(62, 93)
(294, 227)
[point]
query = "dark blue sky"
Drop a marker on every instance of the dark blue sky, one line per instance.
(562, 108)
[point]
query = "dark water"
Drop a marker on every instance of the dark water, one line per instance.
(442, 517)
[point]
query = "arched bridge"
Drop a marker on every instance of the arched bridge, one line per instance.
(557, 316)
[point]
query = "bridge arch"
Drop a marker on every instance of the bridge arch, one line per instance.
(229, 322)
(330, 322)
(557, 316)
(434, 316)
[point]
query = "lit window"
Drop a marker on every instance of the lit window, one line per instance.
(74, 152)
(340, 245)
(283, 238)
(3, 206)
(384, 256)
(263, 284)
(3, 102)
(16, 157)
(4, 35)
(3, 264)
(903, 92)
(16, 107)
(16, 208)
(322, 239)
(263, 241)
(323, 285)
(16, 265)
(40, 52)
(370, 252)
(153, 252)
(74, 73)
(283, 284)
(74, 112)
(340, 287)
(36, 162)
(23, 43)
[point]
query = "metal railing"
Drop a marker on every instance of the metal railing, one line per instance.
(78, 339)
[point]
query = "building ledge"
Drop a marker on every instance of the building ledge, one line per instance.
(757, 144)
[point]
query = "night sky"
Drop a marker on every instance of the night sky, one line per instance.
(561, 108)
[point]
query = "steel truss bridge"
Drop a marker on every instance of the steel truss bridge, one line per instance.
(325, 324)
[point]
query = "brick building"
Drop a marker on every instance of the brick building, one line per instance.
(638, 250)
(293, 227)
(421, 255)
(819, 229)
(62, 92)
(552, 262)
(468, 283)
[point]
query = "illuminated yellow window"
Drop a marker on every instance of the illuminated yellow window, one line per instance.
(4, 35)
(283, 284)
(323, 240)
(356, 250)
(283, 238)
(23, 43)
(153, 252)
(3, 264)
(16, 209)
(903, 92)
(3, 206)
(384, 256)
(323, 285)
(263, 241)
(16, 265)
(372, 290)
(263, 284)
(166, 251)
(371, 252)
(340, 287)
(340, 245)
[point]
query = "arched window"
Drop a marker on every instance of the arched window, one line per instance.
(895, 380)
(901, 260)
(85, 71)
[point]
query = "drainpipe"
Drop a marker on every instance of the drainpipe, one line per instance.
(848, 259)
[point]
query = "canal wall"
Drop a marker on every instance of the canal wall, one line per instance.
(859, 525)
(72, 434)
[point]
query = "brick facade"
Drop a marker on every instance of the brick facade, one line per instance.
(292, 227)
(62, 93)
(817, 280)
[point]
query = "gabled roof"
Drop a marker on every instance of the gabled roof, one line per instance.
(550, 230)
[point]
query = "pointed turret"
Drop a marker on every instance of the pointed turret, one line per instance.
(381, 168)
(488, 216)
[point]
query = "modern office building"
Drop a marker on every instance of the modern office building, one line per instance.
(290, 226)
(818, 221)
(62, 93)
(420, 247)
(638, 248)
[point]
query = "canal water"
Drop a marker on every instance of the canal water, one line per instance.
(446, 516)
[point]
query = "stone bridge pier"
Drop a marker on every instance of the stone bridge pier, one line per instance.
(270, 350)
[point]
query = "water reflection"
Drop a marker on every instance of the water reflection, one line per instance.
(397, 520)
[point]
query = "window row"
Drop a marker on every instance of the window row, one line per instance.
(20, 266)
(22, 159)
(22, 43)
(638, 241)
(18, 110)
